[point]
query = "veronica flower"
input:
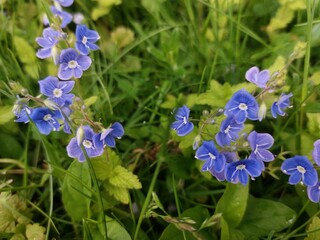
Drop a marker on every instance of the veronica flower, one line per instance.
(316, 152)
(22, 112)
(300, 169)
(259, 143)
(314, 193)
(279, 106)
(213, 159)
(72, 64)
(56, 90)
(258, 78)
(229, 130)
(240, 171)
(65, 17)
(46, 120)
(241, 106)
(65, 3)
(108, 136)
(48, 42)
(86, 39)
(182, 125)
(86, 140)
(230, 157)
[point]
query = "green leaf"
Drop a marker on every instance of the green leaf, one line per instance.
(233, 203)
(6, 114)
(75, 196)
(228, 232)
(312, 107)
(116, 231)
(263, 216)
(314, 229)
(35, 231)
(121, 194)
(90, 101)
(123, 178)
(25, 52)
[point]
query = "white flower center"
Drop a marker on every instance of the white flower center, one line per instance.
(47, 117)
(84, 40)
(87, 144)
(57, 92)
(243, 106)
(227, 129)
(241, 167)
(185, 120)
(72, 64)
(212, 156)
(301, 169)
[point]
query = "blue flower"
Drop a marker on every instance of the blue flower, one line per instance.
(259, 143)
(65, 3)
(279, 106)
(108, 136)
(213, 159)
(316, 152)
(240, 171)
(314, 193)
(258, 78)
(182, 125)
(86, 39)
(229, 130)
(65, 17)
(241, 106)
(300, 169)
(74, 149)
(47, 42)
(45, 119)
(56, 90)
(72, 64)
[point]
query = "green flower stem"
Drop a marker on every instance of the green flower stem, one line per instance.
(304, 89)
(149, 194)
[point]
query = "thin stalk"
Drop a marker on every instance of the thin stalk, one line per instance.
(304, 89)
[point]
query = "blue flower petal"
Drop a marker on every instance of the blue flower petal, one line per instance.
(185, 129)
(65, 73)
(316, 152)
(44, 53)
(310, 178)
(295, 178)
(314, 193)
(243, 177)
(220, 163)
(84, 61)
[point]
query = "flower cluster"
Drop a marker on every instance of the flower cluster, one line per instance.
(224, 156)
(54, 112)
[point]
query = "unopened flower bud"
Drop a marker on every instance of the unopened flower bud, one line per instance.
(196, 142)
(24, 92)
(50, 104)
(80, 135)
(262, 111)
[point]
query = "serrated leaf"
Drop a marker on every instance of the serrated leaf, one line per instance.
(170, 102)
(102, 167)
(116, 231)
(6, 114)
(263, 216)
(90, 101)
(233, 203)
(121, 194)
(123, 178)
(314, 229)
(282, 18)
(75, 196)
(35, 231)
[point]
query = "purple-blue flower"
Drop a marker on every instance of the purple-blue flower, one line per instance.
(240, 171)
(65, 17)
(316, 152)
(314, 193)
(182, 125)
(86, 39)
(72, 64)
(74, 146)
(46, 120)
(47, 42)
(230, 157)
(258, 78)
(57, 91)
(241, 106)
(108, 136)
(300, 169)
(259, 143)
(65, 3)
(279, 106)
(229, 130)
(213, 159)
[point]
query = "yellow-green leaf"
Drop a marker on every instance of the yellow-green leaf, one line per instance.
(121, 194)
(314, 229)
(35, 231)
(6, 114)
(25, 52)
(123, 178)
(90, 101)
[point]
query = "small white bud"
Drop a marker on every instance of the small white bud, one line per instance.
(80, 135)
(262, 111)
